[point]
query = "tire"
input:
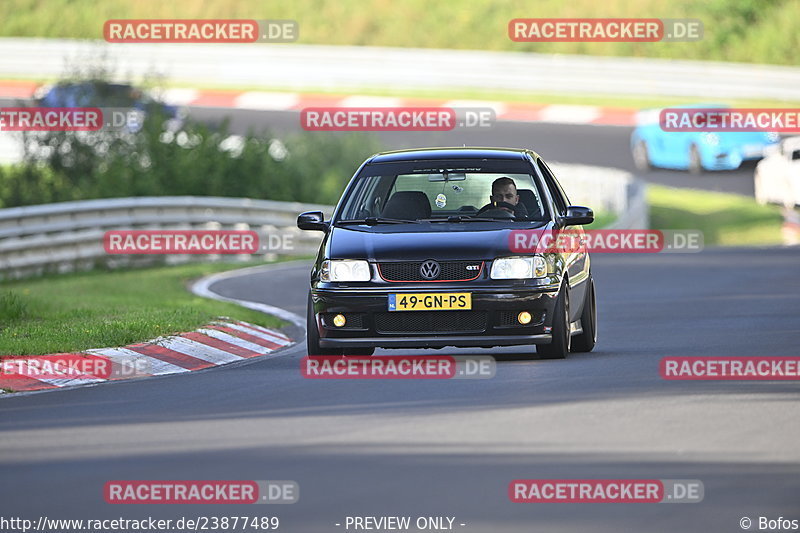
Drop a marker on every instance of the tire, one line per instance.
(788, 197)
(695, 161)
(359, 351)
(559, 346)
(585, 341)
(641, 159)
(758, 186)
(312, 334)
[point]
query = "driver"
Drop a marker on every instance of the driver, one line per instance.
(504, 196)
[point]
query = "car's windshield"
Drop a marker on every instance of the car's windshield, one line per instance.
(437, 192)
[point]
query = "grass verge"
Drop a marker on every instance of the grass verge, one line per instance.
(758, 31)
(100, 309)
(601, 220)
(725, 219)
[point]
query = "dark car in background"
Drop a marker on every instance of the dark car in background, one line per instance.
(109, 95)
(410, 259)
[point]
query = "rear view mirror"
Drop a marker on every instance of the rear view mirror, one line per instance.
(312, 220)
(447, 176)
(577, 215)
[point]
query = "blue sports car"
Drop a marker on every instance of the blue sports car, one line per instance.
(694, 151)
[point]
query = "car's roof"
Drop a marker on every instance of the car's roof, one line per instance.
(791, 143)
(91, 83)
(426, 154)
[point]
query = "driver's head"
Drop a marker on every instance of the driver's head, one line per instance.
(504, 190)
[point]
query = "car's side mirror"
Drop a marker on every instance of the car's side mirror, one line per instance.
(577, 216)
(312, 220)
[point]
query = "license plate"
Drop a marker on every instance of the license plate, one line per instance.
(453, 301)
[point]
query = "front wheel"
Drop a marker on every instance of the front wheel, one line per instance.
(585, 341)
(359, 351)
(641, 159)
(695, 161)
(559, 346)
(789, 197)
(758, 186)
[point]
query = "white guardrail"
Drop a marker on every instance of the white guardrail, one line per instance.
(299, 67)
(67, 236)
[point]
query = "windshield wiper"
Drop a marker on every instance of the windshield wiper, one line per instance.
(374, 221)
(461, 218)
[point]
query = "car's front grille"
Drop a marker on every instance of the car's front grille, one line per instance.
(431, 322)
(450, 271)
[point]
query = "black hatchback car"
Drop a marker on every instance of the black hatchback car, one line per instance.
(419, 254)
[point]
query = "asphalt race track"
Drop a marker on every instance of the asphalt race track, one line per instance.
(450, 448)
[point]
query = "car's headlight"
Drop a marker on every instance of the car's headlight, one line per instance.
(519, 267)
(344, 270)
(712, 139)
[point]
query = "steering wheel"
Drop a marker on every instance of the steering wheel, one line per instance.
(494, 210)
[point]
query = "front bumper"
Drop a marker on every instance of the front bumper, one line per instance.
(731, 158)
(723, 159)
(490, 322)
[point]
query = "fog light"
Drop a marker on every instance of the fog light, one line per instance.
(339, 321)
(524, 317)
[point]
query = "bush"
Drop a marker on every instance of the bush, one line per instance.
(194, 159)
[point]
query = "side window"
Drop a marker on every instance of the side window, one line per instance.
(555, 191)
(365, 199)
(359, 192)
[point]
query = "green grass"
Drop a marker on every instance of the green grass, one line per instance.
(100, 309)
(725, 219)
(601, 220)
(759, 31)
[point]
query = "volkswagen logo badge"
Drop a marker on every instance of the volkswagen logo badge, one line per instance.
(430, 270)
